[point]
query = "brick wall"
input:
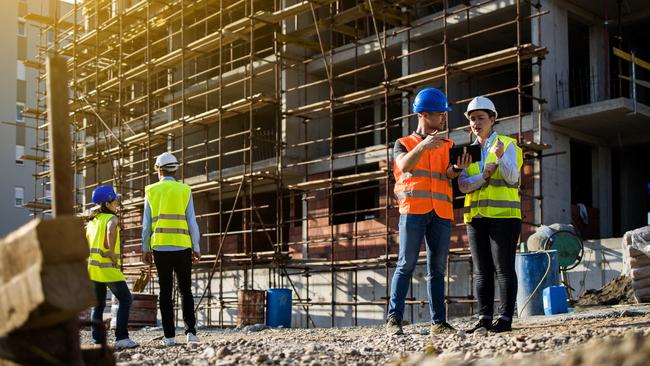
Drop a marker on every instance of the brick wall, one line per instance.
(375, 246)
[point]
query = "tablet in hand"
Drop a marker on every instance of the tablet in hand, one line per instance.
(473, 150)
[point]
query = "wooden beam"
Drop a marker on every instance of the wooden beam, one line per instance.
(38, 271)
(59, 136)
(627, 57)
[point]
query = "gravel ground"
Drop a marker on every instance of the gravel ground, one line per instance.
(548, 340)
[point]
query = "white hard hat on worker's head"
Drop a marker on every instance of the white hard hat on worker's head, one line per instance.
(167, 162)
(481, 103)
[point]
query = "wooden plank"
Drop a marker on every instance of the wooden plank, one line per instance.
(48, 238)
(627, 57)
(38, 274)
(59, 136)
(54, 345)
(67, 286)
(37, 205)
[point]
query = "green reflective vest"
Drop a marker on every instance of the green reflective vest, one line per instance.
(100, 266)
(168, 200)
(497, 198)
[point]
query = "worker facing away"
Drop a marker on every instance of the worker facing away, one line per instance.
(170, 235)
(424, 193)
(492, 212)
(103, 236)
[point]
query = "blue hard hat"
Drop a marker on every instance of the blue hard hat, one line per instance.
(103, 194)
(430, 100)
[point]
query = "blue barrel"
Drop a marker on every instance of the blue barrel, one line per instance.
(530, 268)
(278, 307)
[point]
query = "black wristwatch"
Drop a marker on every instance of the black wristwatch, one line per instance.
(457, 170)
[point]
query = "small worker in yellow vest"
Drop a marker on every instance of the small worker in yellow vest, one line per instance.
(170, 235)
(492, 212)
(103, 236)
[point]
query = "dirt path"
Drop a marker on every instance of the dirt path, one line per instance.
(548, 336)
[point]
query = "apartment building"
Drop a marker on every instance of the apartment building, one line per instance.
(16, 134)
(284, 114)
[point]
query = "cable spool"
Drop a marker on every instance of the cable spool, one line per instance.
(569, 246)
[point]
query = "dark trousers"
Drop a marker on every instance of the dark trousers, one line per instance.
(121, 291)
(168, 263)
(493, 243)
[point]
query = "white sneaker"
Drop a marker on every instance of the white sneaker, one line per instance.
(125, 343)
(168, 342)
(192, 338)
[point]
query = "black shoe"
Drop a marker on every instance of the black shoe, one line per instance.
(394, 326)
(481, 323)
(501, 325)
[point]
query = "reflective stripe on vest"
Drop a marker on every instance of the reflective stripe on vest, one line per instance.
(100, 266)
(103, 265)
(493, 203)
(168, 217)
(495, 182)
(425, 174)
(426, 187)
(424, 194)
(162, 230)
(168, 201)
(496, 198)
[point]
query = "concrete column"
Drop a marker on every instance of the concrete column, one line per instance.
(556, 176)
(556, 179)
(598, 54)
(602, 189)
(555, 36)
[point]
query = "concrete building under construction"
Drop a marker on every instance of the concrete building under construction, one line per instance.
(284, 114)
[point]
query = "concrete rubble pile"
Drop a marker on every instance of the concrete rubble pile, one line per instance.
(636, 258)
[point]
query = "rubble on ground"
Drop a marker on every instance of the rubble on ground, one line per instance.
(567, 334)
(617, 291)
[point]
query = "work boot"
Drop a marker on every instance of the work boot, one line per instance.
(442, 328)
(481, 323)
(501, 325)
(394, 326)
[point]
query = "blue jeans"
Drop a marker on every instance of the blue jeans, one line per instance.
(121, 291)
(436, 232)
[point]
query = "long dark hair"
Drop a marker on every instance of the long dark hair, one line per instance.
(103, 208)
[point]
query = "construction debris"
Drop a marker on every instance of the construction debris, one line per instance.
(617, 291)
(560, 334)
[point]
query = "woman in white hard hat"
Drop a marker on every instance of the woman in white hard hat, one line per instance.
(492, 212)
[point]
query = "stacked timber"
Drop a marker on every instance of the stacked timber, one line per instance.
(636, 253)
(43, 284)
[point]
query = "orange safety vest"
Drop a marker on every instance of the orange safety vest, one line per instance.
(426, 187)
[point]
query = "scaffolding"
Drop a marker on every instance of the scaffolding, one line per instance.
(283, 114)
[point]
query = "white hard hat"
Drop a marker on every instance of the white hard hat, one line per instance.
(167, 161)
(481, 102)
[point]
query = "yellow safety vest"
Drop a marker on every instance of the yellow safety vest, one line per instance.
(497, 198)
(100, 266)
(168, 200)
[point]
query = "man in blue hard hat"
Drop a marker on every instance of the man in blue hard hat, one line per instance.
(422, 172)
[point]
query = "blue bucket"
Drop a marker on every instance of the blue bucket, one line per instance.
(530, 268)
(278, 307)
